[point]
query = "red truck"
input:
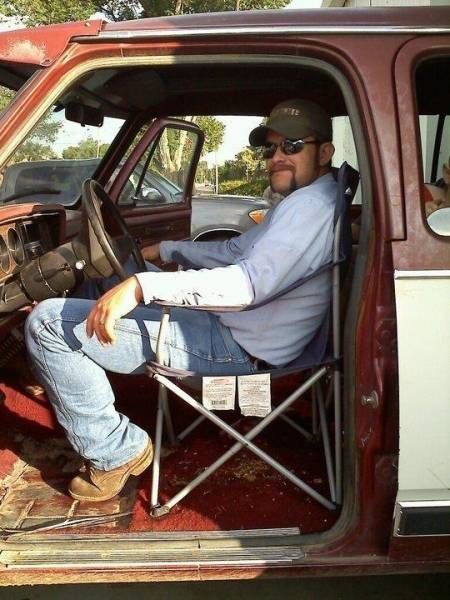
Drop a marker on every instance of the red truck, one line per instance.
(384, 77)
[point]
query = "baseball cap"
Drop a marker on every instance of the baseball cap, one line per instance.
(295, 119)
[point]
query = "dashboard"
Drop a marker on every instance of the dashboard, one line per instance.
(27, 232)
(23, 240)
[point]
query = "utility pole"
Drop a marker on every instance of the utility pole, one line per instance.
(216, 185)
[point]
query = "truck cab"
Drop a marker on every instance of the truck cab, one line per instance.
(142, 84)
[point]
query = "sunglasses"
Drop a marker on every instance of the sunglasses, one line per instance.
(288, 147)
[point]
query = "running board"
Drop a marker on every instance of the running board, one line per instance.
(216, 549)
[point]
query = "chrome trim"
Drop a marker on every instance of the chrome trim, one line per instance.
(155, 550)
(259, 30)
(424, 503)
(421, 274)
(404, 505)
(31, 216)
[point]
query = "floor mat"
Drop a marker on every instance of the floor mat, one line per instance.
(37, 463)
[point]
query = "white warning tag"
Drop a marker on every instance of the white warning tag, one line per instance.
(254, 394)
(219, 393)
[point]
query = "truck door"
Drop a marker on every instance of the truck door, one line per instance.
(422, 289)
(153, 187)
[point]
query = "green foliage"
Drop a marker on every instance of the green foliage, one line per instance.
(88, 148)
(203, 173)
(5, 97)
(238, 187)
(38, 145)
(45, 12)
(32, 150)
(122, 10)
(153, 8)
(247, 165)
(214, 132)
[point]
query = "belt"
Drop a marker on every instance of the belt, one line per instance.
(260, 364)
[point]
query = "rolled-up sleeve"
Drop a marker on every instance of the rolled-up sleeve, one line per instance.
(222, 286)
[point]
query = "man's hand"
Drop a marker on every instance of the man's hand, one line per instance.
(113, 305)
(151, 253)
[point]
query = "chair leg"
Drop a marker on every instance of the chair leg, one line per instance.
(326, 442)
(314, 419)
(242, 441)
(191, 427)
(154, 497)
(305, 433)
(168, 417)
(337, 434)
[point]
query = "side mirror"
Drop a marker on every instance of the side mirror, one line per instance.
(86, 115)
(439, 221)
(151, 196)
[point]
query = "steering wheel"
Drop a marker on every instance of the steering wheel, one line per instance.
(116, 249)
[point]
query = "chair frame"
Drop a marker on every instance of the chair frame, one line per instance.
(330, 365)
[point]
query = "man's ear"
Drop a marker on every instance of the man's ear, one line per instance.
(326, 151)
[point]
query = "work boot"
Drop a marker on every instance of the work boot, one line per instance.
(96, 485)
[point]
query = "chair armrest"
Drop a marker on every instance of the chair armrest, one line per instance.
(210, 308)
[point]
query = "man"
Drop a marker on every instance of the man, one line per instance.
(72, 341)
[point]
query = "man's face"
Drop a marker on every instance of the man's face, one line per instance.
(290, 172)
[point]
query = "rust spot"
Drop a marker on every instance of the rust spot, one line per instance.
(26, 50)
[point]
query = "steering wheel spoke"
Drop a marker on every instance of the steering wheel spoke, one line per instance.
(118, 248)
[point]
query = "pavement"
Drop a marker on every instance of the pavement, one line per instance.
(395, 587)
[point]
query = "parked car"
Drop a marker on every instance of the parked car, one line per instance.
(383, 76)
(214, 216)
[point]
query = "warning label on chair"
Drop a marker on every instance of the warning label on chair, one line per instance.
(218, 393)
(254, 395)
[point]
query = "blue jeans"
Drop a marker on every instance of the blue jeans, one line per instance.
(71, 366)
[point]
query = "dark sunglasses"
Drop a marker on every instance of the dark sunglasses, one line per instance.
(288, 147)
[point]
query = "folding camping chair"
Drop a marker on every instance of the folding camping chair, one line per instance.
(321, 357)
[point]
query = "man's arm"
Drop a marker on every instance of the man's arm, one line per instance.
(297, 242)
(207, 255)
(222, 286)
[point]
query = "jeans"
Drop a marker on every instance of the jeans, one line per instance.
(71, 366)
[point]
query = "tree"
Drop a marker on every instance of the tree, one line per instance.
(88, 148)
(249, 162)
(175, 146)
(153, 8)
(31, 150)
(38, 144)
(44, 12)
(214, 132)
(5, 97)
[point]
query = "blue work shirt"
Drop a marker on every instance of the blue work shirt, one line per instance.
(295, 239)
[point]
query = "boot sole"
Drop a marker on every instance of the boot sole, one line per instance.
(144, 462)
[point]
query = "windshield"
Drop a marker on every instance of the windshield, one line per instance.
(54, 159)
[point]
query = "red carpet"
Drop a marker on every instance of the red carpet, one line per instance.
(244, 493)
